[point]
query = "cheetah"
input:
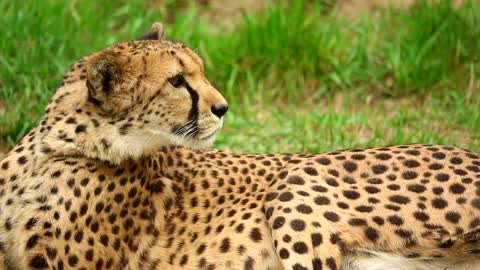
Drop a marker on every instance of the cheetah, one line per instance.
(113, 107)
(97, 185)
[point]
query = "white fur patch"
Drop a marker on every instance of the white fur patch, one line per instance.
(385, 261)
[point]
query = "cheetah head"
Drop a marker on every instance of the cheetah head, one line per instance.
(129, 99)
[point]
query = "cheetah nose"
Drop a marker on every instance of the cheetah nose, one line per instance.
(219, 109)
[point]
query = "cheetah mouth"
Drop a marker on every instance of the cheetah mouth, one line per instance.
(209, 136)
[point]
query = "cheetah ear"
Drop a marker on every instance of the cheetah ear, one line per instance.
(155, 33)
(104, 74)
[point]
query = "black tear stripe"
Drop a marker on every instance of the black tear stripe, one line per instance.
(193, 114)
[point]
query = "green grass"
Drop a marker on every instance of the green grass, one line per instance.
(298, 77)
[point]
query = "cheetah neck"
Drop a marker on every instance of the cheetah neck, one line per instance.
(80, 132)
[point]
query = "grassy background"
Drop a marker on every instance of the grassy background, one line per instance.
(298, 77)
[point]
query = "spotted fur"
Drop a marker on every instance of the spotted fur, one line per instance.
(112, 107)
(67, 202)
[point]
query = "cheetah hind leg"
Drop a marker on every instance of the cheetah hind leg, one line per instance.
(299, 249)
(306, 252)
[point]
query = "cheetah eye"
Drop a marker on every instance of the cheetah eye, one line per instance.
(177, 80)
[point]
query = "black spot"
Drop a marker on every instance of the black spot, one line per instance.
(331, 216)
(316, 239)
(84, 182)
(409, 175)
(476, 203)
(379, 169)
(472, 168)
(271, 196)
(399, 199)
(439, 203)
(349, 180)
(255, 235)
(310, 171)
(319, 188)
(99, 207)
(38, 262)
(422, 216)
(323, 161)
(248, 265)
(123, 129)
(297, 225)
(322, 200)
(71, 120)
(383, 156)
(437, 190)
(51, 253)
(351, 194)
(278, 222)
(22, 160)
(80, 128)
(32, 241)
(372, 189)
(392, 207)
(378, 220)
(364, 209)
(438, 155)
(105, 143)
(395, 220)
(375, 181)
(371, 234)
(72, 260)
(333, 172)
(300, 248)
(332, 182)
(456, 160)
(317, 264)
(298, 266)
(457, 188)
(442, 177)
(78, 236)
(31, 222)
(358, 157)
(5, 165)
(410, 163)
(403, 233)
(343, 205)
(357, 222)
(118, 197)
(284, 254)
(225, 246)
(304, 209)
(296, 180)
(287, 238)
(350, 166)
(446, 244)
(453, 217)
(56, 174)
(285, 196)
(413, 152)
(330, 262)
(417, 188)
